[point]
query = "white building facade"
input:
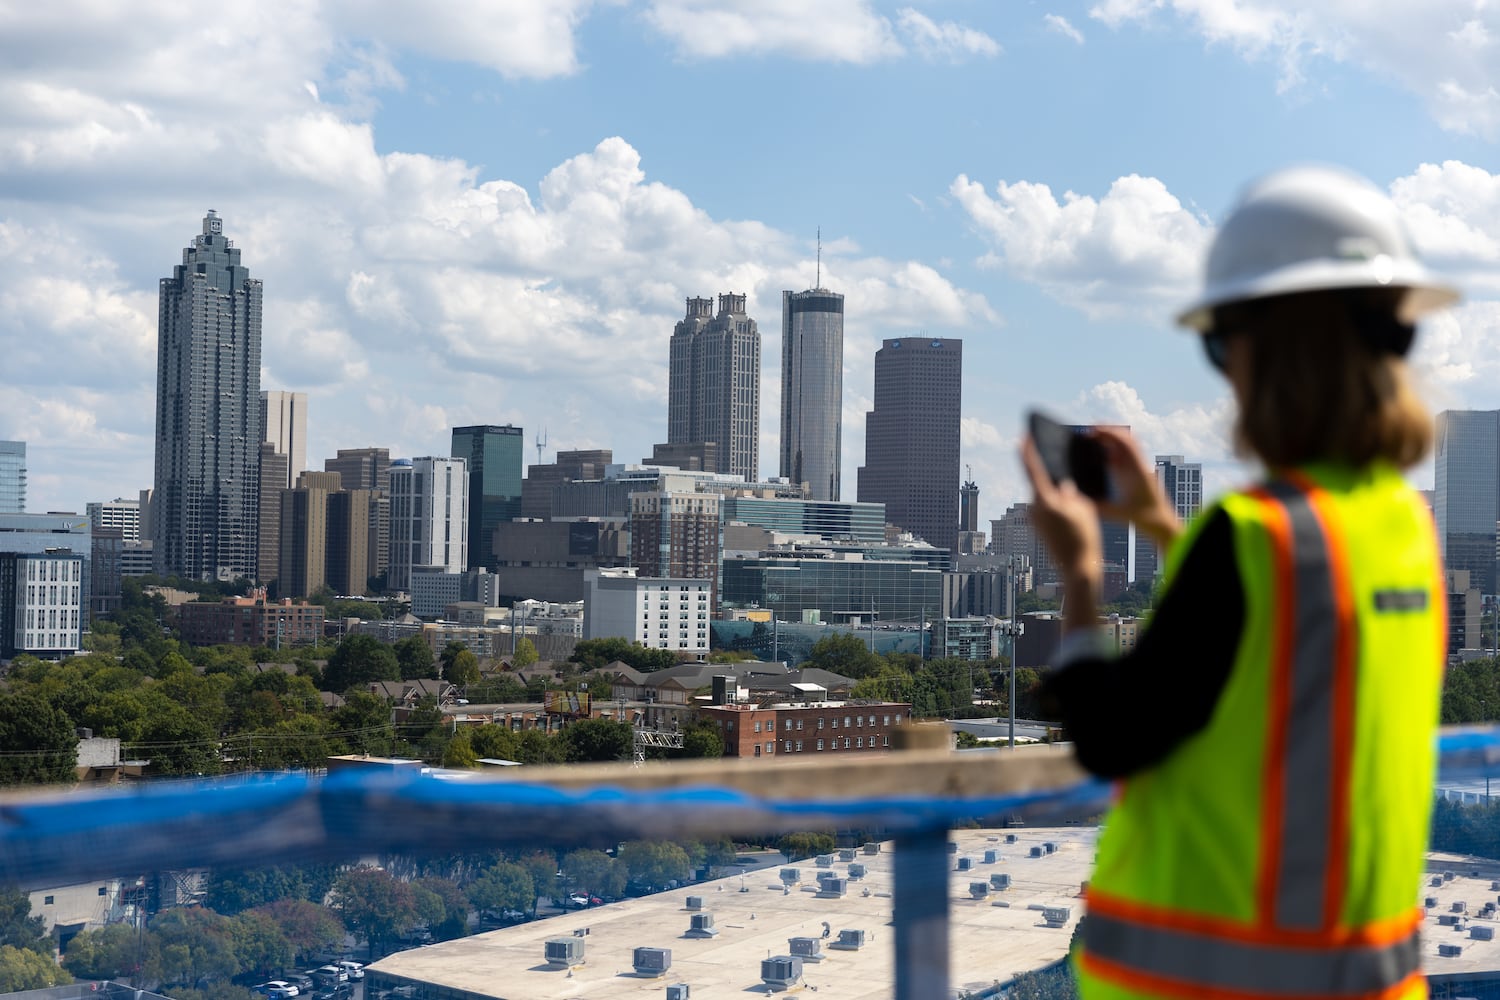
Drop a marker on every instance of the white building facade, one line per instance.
(657, 612)
(117, 513)
(429, 517)
(41, 604)
(284, 415)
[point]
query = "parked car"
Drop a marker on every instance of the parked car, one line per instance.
(341, 991)
(579, 901)
(329, 975)
(302, 981)
(355, 970)
(277, 989)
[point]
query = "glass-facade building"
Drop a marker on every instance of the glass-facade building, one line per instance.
(495, 456)
(1466, 500)
(839, 589)
(812, 390)
(12, 477)
(713, 383)
(206, 505)
(864, 522)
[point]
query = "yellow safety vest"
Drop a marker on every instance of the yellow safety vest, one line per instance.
(1278, 851)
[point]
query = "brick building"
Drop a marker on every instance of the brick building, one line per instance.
(250, 621)
(797, 730)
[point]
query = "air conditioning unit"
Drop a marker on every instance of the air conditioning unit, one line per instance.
(791, 876)
(809, 949)
(833, 887)
(824, 861)
(677, 991)
(872, 847)
(846, 854)
(1479, 933)
(1010, 838)
(849, 940)
(782, 972)
(1450, 950)
(1036, 852)
(695, 902)
(1000, 881)
(979, 890)
(1049, 847)
(564, 951)
(964, 864)
(1430, 902)
(1056, 916)
(652, 961)
(856, 870)
(990, 857)
(1447, 920)
(952, 847)
(702, 926)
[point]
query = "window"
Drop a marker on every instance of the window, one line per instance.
(789, 725)
(820, 722)
(757, 749)
(898, 720)
(820, 744)
(887, 720)
(786, 746)
(46, 900)
(846, 722)
(799, 725)
(757, 726)
(872, 720)
(859, 742)
(103, 891)
(799, 746)
(833, 723)
(859, 721)
(770, 747)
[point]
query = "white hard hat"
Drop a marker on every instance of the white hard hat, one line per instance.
(1313, 228)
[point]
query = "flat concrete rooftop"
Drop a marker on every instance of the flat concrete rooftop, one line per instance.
(990, 942)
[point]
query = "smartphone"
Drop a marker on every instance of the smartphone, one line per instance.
(1070, 452)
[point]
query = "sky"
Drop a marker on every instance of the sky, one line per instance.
(492, 212)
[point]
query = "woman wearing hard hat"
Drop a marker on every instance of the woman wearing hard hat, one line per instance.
(1274, 725)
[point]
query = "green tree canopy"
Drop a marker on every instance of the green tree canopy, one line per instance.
(596, 653)
(844, 653)
(115, 951)
(196, 945)
(24, 969)
(525, 654)
(375, 905)
(360, 660)
(595, 740)
(41, 746)
(807, 844)
(463, 670)
(309, 927)
(18, 928)
(505, 886)
(653, 862)
(415, 658)
(454, 921)
(459, 753)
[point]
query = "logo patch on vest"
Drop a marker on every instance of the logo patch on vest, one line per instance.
(1400, 600)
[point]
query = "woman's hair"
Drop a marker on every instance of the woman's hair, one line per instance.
(1326, 381)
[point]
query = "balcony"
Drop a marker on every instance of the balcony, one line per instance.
(914, 799)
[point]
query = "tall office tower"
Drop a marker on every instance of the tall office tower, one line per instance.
(369, 469)
(117, 513)
(12, 477)
(273, 466)
(284, 416)
(694, 456)
(1182, 481)
(146, 495)
(304, 534)
(347, 552)
(812, 390)
(911, 437)
(970, 538)
(1467, 481)
(429, 517)
(713, 383)
(677, 535)
(208, 430)
(1014, 537)
(570, 466)
(494, 456)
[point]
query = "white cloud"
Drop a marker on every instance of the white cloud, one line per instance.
(849, 31)
(1453, 212)
(1437, 49)
(1136, 248)
(948, 41)
(1062, 26)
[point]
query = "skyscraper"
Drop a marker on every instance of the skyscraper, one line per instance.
(812, 390)
(284, 416)
(1467, 488)
(208, 430)
(369, 469)
(713, 383)
(676, 535)
(912, 437)
(494, 456)
(12, 477)
(429, 517)
(1182, 482)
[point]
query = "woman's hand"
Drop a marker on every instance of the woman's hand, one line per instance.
(1138, 497)
(1068, 522)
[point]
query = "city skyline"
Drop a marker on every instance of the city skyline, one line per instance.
(493, 215)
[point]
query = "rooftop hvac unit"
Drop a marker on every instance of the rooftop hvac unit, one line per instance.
(1495, 886)
(1460, 907)
(846, 854)
(1479, 933)
(1056, 916)
(979, 890)
(1447, 920)
(872, 847)
(990, 857)
(652, 961)
(825, 876)
(1000, 881)
(1447, 876)
(702, 926)
(809, 949)
(824, 861)
(1036, 852)
(1437, 880)
(849, 940)
(856, 870)
(782, 972)
(695, 902)
(1049, 847)
(1430, 902)
(964, 864)
(677, 991)
(564, 951)
(952, 847)
(791, 876)
(1450, 950)
(832, 888)
(1010, 838)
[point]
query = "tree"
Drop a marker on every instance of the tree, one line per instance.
(41, 746)
(493, 741)
(653, 862)
(309, 927)
(797, 846)
(260, 944)
(197, 945)
(505, 886)
(535, 747)
(18, 928)
(525, 654)
(451, 649)
(844, 653)
(459, 753)
(595, 740)
(23, 969)
(234, 890)
(363, 724)
(375, 905)
(454, 921)
(596, 653)
(464, 670)
(116, 951)
(415, 658)
(594, 871)
(360, 660)
(701, 739)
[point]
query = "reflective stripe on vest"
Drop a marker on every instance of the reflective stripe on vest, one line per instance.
(1257, 969)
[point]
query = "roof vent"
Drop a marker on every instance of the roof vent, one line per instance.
(979, 890)
(833, 888)
(1450, 950)
(652, 962)
(695, 902)
(564, 952)
(856, 870)
(791, 876)
(824, 860)
(677, 991)
(702, 926)
(846, 854)
(849, 940)
(872, 847)
(782, 972)
(1479, 933)
(1000, 881)
(1056, 916)
(809, 949)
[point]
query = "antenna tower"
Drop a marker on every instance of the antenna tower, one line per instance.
(819, 282)
(541, 442)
